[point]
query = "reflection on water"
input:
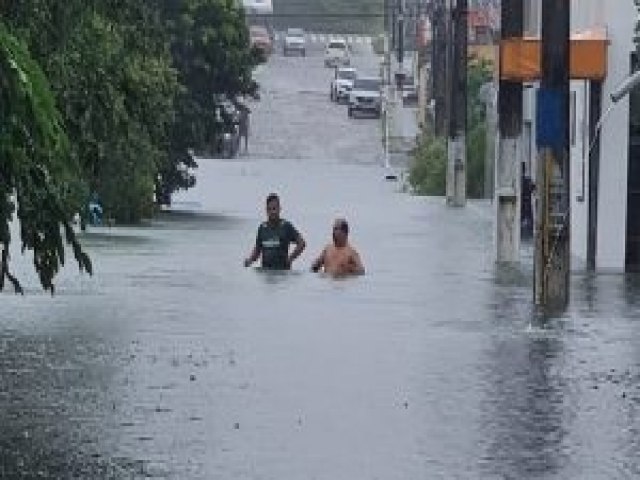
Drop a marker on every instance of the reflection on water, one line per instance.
(525, 422)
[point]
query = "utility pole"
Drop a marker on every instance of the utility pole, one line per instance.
(507, 194)
(439, 66)
(388, 27)
(456, 148)
(385, 17)
(401, 9)
(394, 22)
(553, 225)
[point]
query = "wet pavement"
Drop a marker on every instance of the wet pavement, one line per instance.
(175, 362)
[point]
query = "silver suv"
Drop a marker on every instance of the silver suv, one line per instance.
(337, 54)
(366, 96)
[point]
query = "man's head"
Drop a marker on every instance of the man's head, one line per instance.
(340, 232)
(273, 207)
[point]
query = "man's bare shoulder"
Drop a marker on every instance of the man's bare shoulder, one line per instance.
(352, 250)
(328, 248)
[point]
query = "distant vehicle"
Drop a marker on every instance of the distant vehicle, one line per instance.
(366, 96)
(337, 54)
(294, 41)
(342, 83)
(259, 37)
(257, 7)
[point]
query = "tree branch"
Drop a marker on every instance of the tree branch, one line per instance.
(4, 272)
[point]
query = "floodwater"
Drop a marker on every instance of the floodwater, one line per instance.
(176, 362)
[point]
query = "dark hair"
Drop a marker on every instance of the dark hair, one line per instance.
(343, 225)
(272, 197)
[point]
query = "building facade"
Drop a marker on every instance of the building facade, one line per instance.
(605, 188)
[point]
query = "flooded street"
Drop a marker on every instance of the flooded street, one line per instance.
(176, 362)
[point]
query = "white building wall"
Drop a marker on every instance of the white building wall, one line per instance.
(590, 13)
(621, 17)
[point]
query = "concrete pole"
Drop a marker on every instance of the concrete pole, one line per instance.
(553, 223)
(491, 114)
(456, 148)
(509, 152)
(389, 26)
(401, 35)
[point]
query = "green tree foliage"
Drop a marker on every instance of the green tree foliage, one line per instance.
(134, 85)
(428, 171)
(38, 178)
(479, 73)
(210, 50)
(111, 71)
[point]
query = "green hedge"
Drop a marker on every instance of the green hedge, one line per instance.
(428, 171)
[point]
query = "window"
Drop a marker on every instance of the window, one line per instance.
(347, 74)
(368, 84)
(532, 16)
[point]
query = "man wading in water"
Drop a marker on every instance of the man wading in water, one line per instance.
(273, 240)
(339, 258)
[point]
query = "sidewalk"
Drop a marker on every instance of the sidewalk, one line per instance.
(403, 124)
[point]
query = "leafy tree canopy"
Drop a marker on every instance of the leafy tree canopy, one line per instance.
(38, 178)
(106, 98)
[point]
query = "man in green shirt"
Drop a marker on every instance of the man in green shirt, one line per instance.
(273, 240)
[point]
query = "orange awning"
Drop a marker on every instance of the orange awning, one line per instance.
(520, 57)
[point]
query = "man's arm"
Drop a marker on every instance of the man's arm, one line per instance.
(255, 253)
(318, 262)
(358, 267)
(300, 246)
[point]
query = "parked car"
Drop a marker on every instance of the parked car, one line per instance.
(337, 54)
(342, 83)
(260, 38)
(366, 96)
(294, 41)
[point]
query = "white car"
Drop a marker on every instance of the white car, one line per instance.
(366, 96)
(337, 54)
(342, 83)
(294, 41)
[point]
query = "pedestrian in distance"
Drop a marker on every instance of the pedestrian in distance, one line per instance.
(339, 258)
(243, 124)
(526, 205)
(274, 238)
